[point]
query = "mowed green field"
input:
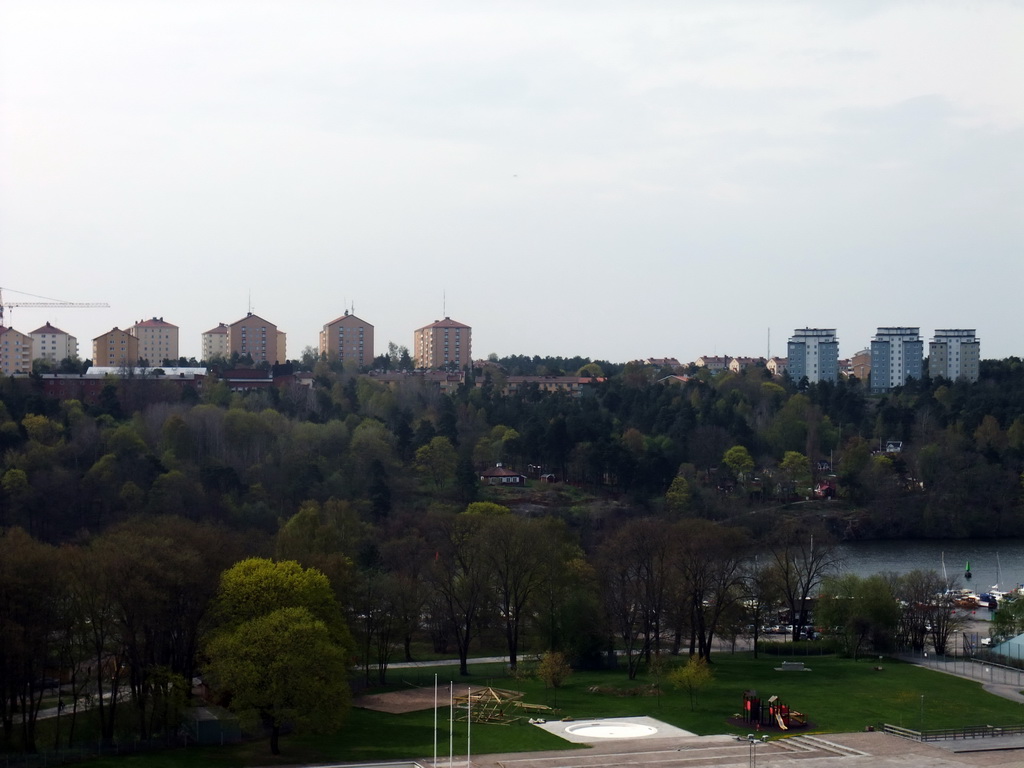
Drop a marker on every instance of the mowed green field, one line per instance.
(837, 695)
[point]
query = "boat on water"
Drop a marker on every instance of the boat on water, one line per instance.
(966, 598)
(990, 600)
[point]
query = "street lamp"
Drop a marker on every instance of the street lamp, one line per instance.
(753, 741)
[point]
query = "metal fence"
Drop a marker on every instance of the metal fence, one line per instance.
(985, 669)
(952, 734)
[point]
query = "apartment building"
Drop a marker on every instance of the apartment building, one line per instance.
(897, 354)
(777, 366)
(348, 339)
(814, 353)
(740, 364)
(255, 337)
(860, 364)
(954, 353)
(576, 386)
(158, 340)
(115, 349)
(53, 344)
(282, 346)
(215, 342)
(15, 351)
(714, 363)
(443, 344)
(663, 362)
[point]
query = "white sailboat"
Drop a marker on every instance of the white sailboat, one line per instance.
(996, 590)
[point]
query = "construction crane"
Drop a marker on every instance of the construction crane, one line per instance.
(49, 303)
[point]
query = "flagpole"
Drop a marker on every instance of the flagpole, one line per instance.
(451, 723)
(469, 721)
(435, 720)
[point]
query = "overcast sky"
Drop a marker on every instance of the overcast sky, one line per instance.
(611, 179)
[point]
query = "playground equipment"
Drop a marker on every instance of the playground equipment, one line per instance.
(496, 705)
(771, 713)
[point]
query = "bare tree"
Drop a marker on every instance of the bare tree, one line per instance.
(459, 577)
(710, 562)
(634, 571)
(761, 596)
(803, 556)
(517, 552)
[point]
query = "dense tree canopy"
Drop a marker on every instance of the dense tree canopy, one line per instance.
(657, 514)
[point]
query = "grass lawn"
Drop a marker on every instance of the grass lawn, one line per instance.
(837, 695)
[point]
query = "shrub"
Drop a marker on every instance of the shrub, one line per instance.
(553, 669)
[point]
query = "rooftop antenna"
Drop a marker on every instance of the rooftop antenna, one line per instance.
(250, 301)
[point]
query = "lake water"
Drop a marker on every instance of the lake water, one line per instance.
(995, 561)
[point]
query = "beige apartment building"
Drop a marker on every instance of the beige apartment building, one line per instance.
(740, 364)
(15, 351)
(777, 365)
(860, 365)
(255, 337)
(114, 349)
(714, 363)
(215, 342)
(282, 346)
(955, 353)
(53, 344)
(348, 339)
(158, 340)
(443, 344)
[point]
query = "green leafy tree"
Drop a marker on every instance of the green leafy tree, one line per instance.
(693, 677)
(325, 537)
(487, 509)
(283, 667)
(865, 611)
(678, 497)
(739, 460)
(437, 460)
(796, 473)
(282, 649)
(1008, 621)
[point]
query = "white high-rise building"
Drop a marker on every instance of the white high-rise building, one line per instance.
(814, 353)
(897, 354)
